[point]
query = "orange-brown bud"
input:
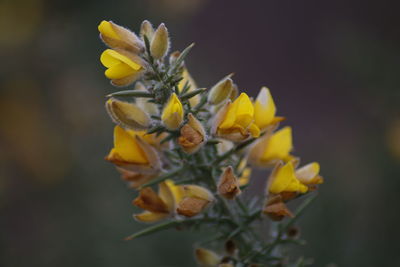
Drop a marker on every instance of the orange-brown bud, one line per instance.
(192, 135)
(276, 209)
(191, 206)
(149, 200)
(228, 185)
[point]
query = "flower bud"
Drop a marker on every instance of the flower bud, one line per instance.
(146, 29)
(193, 135)
(196, 199)
(116, 36)
(221, 91)
(144, 103)
(228, 185)
(172, 115)
(206, 257)
(159, 45)
(127, 115)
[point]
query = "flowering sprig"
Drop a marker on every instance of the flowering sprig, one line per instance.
(197, 148)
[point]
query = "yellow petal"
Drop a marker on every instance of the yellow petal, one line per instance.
(308, 173)
(279, 145)
(245, 110)
(283, 179)
(230, 115)
(245, 178)
(148, 216)
(172, 115)
(119, 71)
(254, 130)
(126, 147)
(105, 28)
(177, 190)
(110, 58)
(264, 108)
(165, 193)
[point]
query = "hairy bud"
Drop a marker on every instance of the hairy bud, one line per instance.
(159, 45)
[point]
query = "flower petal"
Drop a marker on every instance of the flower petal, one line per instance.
(126, 148)
(150, 217)
(264, 108)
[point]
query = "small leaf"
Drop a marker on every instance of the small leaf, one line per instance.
(152, 229)
(132, 93)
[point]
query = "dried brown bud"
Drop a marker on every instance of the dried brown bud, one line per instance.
(149, 200)
(276, 209)
(192, 135)
(191, 206)
(228, 185)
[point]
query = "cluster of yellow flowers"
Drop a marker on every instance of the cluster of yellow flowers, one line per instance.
(197, 145)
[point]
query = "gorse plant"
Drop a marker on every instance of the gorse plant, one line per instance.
(197, 146)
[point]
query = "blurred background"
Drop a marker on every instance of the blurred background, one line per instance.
(332, 67)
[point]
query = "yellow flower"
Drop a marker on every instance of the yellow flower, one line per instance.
(195, 200)
(272, 148)
(283, 180)
(116, 36)
(187, 79)
(127, 115)
(158, 206)
(172, 115)
(309, 174)
(235, 121)
(264, 110)
(192, 135)
(123, 68)
(132, 153)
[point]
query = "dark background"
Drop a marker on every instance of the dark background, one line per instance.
(332, 67)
